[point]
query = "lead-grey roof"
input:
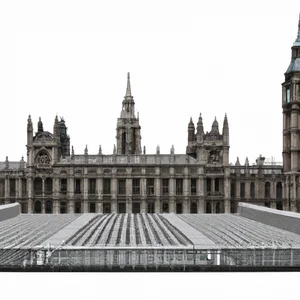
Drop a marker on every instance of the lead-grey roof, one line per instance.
(294, 65)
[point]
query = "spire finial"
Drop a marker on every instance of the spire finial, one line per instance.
(297, 41)
(40, 125)
(128, 90)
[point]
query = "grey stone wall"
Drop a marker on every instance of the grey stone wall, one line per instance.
(9, 211)
(285, 220)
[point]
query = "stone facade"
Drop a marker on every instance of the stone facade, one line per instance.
(55, 180)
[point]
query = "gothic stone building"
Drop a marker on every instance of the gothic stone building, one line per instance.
(55, 180)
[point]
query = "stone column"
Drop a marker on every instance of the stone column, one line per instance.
(129, 195)
(172, 191)
(247, 189)
(43, 205)
(186, 183)
(157, 190)
(29, 194)
(143, 191)
(293, 197)
(227, 207)
(99, 187)
(114, 192)
(71, 189)
(6, 192)
(85, 195)
(200, 190)
(55, 195)
(20, 196)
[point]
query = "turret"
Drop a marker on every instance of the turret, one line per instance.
(215, 126)
(191, 131)
(200, 129)
(40, 125)
(225, 132)
(128, 127)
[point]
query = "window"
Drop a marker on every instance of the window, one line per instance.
(77, 186)
(165, 186)
(150, 186)
(232, 189)
(267, 190)
(63, 185)
(122, 186)
(193, 186)
(136, 207)
(288, 95)
(242, 190)
(179, 186)
(92, 186)
(208, 186)
(2, 188)
(135, 186)
(106, 186)
(151, 208)
(106, 208)
(12, 187)
(123, 142)
(48, 186)
(252, 190)
(279, 190)
(217, 185)
(38, 186)
(92, 207)
(77, 207)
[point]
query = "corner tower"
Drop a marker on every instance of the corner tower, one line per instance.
(128, 127)
(291, 110)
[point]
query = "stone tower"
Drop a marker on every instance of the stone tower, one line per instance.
(291, 124)
(128, 127)
(210, 147)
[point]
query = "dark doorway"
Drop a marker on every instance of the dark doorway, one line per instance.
(48, 207)
(279, 205)
(208, 208)
(194, 208)
(63, 207)
(77, 207)
(37, 207)
(106, 208)
(279, 190)
(121, 208)
(92, 208)
(136, 207)
(178, 208)
(218, 210)
(151, 208)
(165, 208)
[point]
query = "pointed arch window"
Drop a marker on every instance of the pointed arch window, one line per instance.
(288, 94)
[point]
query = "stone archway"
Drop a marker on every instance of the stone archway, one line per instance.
(48, 207)
(37, 207)
(208, 208)
(194, 208)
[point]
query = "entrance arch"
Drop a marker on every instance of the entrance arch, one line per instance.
(208, 208)
(48, 207)
(194, 208)
(37, 207)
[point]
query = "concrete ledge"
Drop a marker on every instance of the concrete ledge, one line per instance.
(285, 220)
(9, 211)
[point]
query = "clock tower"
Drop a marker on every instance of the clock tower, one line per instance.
(128, 127)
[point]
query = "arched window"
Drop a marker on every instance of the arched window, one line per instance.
(48, 207)
(252, 190)
(123, 142)
(38, 186)
(208, 208)
(279, 190)
(194, 208)
(165, 207)
(267, 190)
(37, 207)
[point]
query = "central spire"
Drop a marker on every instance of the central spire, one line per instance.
(128, 102)
(128, 89)
(297, 41)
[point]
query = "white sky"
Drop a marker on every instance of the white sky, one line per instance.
(184, 57)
